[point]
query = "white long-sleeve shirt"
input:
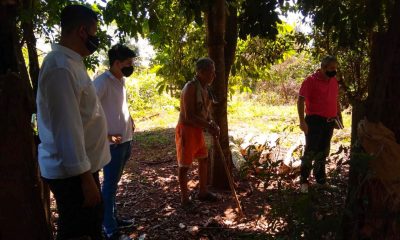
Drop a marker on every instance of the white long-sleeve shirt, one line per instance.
(71, 122)
(112, 95)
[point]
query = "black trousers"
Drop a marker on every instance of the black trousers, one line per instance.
(75, 221)
(318, 142)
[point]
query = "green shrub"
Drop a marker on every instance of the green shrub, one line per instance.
(143, 97)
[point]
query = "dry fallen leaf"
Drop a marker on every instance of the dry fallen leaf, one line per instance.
(181, 225)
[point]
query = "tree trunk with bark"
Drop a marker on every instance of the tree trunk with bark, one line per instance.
(30, 40)
(22, 213)
(216, 19)
(357, 114)
(371, 212)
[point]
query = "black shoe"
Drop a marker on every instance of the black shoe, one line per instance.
(118, 236)
(125, 223)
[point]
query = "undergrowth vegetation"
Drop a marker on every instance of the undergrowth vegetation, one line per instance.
(264, 110)
(267, 109)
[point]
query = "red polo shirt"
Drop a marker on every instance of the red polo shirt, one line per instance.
(320, 95)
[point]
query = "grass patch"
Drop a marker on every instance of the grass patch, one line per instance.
(156, 119)
(151, 139)
(246, 115)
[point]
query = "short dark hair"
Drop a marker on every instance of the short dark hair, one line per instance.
(120, 52)
(73, 16)
(204, 63)
(327, 60)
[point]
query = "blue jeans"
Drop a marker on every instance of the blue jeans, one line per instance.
(120, 153)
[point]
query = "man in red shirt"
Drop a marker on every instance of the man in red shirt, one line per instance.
(320, 94)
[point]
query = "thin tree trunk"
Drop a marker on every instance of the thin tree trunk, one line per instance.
(30, 40)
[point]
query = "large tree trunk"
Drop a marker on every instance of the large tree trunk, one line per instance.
(22, 213)
(30, 41)
(231, 36)
(8, 58)
(215, 19)
(372, 214)
(357, 114)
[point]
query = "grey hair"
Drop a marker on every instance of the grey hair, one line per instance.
(204, 63)
(327, 60)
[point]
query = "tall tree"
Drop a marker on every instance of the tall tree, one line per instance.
(21, 204)
(224, 20)
(216, 27)
(24, 199)
(372, 208)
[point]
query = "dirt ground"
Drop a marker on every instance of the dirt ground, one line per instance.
(149, 193)
(274, 208)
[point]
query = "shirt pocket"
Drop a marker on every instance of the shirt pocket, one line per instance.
(89, 104)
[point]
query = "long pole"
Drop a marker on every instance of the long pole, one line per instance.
(228, 174)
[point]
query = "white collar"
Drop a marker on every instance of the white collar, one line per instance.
(109, 73)
(67, 51)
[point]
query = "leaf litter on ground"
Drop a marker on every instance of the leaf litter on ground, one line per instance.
(149, 193)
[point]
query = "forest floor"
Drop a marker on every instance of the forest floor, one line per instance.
(273, 205)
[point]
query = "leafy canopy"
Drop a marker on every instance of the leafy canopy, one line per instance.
(176, 30)
(347, 21)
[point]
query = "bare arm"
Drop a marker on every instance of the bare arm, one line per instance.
(300, 110)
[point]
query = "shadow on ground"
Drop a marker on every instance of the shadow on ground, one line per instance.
(273, 206)
(149, 193)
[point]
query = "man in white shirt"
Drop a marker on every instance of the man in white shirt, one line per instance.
(111, 91)
(72, 128)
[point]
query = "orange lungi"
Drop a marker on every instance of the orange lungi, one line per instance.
(190, 144)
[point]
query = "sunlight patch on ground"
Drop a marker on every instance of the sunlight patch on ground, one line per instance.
(245, 118)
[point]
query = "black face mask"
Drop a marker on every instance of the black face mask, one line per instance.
(127, 71)
(92, 43)
(330, 73)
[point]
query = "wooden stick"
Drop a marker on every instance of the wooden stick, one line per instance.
(230, 179)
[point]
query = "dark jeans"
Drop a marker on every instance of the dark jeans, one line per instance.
(318, 142)
(75, 221)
